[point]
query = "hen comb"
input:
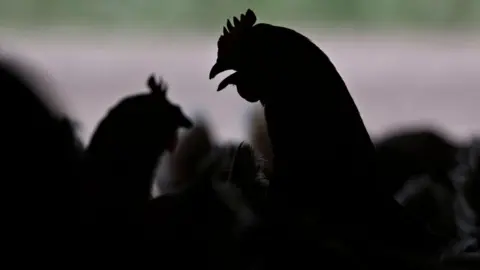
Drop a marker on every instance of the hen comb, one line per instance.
(159, 87)
(233, 32)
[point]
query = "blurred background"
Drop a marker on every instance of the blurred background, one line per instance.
(406, 62)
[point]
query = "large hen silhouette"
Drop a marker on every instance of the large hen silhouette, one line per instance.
(327, 192)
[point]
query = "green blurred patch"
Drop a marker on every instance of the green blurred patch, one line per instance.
(208, 13)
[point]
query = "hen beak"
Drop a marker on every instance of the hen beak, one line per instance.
(232, 79)
(217, 69)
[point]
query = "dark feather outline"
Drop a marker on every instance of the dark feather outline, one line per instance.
(233, 32)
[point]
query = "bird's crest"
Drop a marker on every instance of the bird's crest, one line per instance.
(159, 87)
(232, 32)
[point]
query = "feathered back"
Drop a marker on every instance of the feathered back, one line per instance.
(248, 174)
(43, 138)
(125, 148)
(42, 157)
(412, 152)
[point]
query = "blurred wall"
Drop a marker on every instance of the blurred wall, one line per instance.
(207, 13)
(406, 62)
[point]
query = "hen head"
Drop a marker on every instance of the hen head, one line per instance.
(173, 116)
(264, 57)
(146, 122)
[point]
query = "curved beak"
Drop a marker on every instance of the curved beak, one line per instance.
(232, 79)
(217, 69)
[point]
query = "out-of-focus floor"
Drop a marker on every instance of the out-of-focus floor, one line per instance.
(395, 79)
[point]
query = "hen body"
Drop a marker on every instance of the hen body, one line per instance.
(324, 193)
(119, 165)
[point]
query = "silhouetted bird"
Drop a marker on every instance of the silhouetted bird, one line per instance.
(126, 145)
(326, 192)
(120, 162)
(404, 159)
(42, 205)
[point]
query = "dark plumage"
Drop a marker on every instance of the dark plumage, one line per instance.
(41, 195)
(120, 162)
(212, 213)
(258, 136)
(471, 188)
(126, 145)
(404, 154)
(327, 190)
